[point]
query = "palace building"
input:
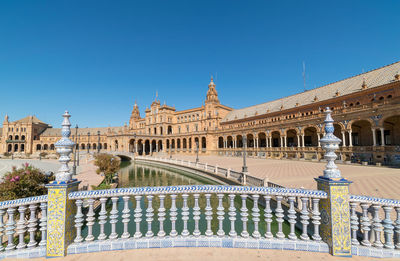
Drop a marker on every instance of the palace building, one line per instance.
(366, 109)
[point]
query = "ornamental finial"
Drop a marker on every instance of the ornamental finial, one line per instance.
(64, 148)
(330, 143)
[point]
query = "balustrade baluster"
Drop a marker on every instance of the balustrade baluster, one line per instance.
(208, 215)
(114, 218)
(21, 227)
(125, 217)
(279, 217)
(354, 223)
(365, 224)
(2, 211)
(220, 213)
(316, 217)
(149, 215)
(78, 221)
(43, 224)
(173, 216)
(90, 220)
(268, 217)
(256, 216)
(398, 227)
(102, 218)
(304, 218)
(185, 215)
(388, 228)
(32, 225)
(161, 216)
(196, 215)
(292, 218)
(138, 217)
(10, 228)
(244, 215)
(232, 215)
(377, 227)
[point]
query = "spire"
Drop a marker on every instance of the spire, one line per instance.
(330, 143)
(64, 148)
(6, 118)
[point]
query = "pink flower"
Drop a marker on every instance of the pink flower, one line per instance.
(27, 172)
(12, 180)
(26, 164)
(16, 178)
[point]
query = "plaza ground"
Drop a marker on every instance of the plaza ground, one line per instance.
(202, 254)
(367, 180)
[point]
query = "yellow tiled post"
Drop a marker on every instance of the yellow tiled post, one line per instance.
(61, 210)
(60, 220)
(335, 210)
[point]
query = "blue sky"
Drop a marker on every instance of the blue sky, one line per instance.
(95, 58)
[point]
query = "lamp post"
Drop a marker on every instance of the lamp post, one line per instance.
(77, 161)
(244, 168)
(88, 140)
(197, 152)
(170, 150)
(76, 138)
(98, 141)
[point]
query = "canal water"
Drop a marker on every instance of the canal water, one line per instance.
(143, 174)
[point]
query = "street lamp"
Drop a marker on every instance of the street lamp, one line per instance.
(170, 150)
(88, 139)
(197, 152)
(79, 138)
(76, 138)
(98, 141)
(244, 168)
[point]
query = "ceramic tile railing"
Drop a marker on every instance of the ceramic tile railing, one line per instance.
(368, 228)
(192, 214)
(23, 222)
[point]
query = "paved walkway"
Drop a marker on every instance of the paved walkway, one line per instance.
(86, 171)
(202, 254)
(367, 180)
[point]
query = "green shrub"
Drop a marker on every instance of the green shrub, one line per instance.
(23, 182)
(7, 154)
(107, 164)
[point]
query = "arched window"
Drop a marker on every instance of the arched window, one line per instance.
(23, 137)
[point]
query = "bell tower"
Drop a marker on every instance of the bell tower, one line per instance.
(135, 115)
(212, 95)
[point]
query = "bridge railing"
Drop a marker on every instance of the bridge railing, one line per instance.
(208, 203)
(367, 226)
(23, 223)
(240, 177)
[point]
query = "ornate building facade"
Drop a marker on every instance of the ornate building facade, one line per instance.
(366, 107)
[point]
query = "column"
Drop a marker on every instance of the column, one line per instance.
(270, 141)
(257, 142)
(284, 141)
(234, 143)
(298, 141)
(373, 136)
(302, 140)
(143, 153)
(281, 138)
(156, 146)
(344, 138)
(136, 151)
(350, 139)
(319, 143)
(266, 142)
(382, 137)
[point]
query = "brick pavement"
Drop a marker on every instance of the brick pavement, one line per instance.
(367, 180)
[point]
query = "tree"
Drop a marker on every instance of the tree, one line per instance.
(107, 164)
(23, 182)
